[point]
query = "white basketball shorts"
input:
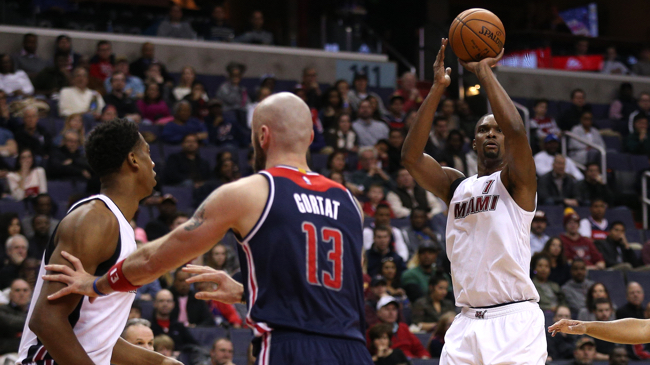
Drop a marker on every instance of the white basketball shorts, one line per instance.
(510, 334)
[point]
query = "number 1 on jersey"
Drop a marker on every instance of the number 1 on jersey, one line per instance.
(331, 280)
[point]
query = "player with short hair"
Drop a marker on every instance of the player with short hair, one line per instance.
(488, 228)
(71, 329)
(300, 247)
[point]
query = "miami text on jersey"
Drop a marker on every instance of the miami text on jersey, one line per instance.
(475, 204)
(314, 204)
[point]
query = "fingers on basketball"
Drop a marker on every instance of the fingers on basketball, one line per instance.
(476, 34)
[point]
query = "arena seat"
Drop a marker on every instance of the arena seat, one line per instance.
(10, 205)
(205, 336)
(624, 214)
(146, 307)
(209, 153)
(241, 338)
(145, 215)
(318, 162)
(605, 124)
(423, 337)
(425, 362)
(614, 282)
(613, 143)
(642, 278)
(554, 214)
(169, 149)
(183, 195)
(620, 160)
(639, 162)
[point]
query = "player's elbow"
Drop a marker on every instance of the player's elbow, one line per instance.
(38, 323)
(409, 159)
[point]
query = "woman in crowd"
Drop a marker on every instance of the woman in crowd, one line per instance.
(596, 291)
(226, 171)
(184, 87)
(27, 180)
(342, 137)
(560, 269)
(380, 343)
(438, 338)
(550, 293)
(221, 257)
(332, 108)
(428, 310)
(9, 226)
(152, 106)
(73, 123)
(231, 93)
(335, 162)
(198, 99)
(389, 272)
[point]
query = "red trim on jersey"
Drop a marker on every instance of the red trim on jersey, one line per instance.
(252, 287)
(316, 182)
(40, 354)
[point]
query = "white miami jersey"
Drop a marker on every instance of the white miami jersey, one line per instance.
(488, 244)
(97, 326)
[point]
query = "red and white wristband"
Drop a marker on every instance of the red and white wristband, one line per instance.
(118, 281)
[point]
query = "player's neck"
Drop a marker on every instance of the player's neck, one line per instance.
(488, 166)
(123, 196)
(299, 162)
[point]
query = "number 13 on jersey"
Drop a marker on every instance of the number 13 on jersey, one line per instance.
(330, 279)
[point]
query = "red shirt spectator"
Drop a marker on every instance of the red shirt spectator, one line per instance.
(576, 245)
(101, 65)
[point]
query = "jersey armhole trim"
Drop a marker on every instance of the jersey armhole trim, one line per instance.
(356, 206)
(265, 212)
(454, 186)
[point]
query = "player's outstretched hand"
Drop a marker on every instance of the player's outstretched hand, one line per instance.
(569, 326)
(228, 290)
(441, 75)
(77, 280)
(473, 67)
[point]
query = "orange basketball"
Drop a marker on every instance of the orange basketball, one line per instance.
(476, 34)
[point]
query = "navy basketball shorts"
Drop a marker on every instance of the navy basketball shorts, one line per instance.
(294, 348)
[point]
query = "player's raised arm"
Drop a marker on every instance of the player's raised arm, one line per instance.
(625, 331)
(519, 171)
(424, 168)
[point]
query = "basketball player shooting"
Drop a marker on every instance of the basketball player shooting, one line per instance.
(630, 331)
(301, 239)
(488, 227)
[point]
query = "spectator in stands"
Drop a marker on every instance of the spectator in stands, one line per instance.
(367, 129)
(596, 225)
(361, 93)
(152, 107)
(13, 316)
(8, 145)
(455, 154)
(198, 99)
(637, 142)
(448, 112)
(32, 135)
(543, 123)
(369, 171)
(576, 245)
(218, 28)
(618, 355)
(395, 142)
(408, 195)
(38, 242)
(575, 290)
(174, 26)
(538, 236)
(409, 92)
(550, 294)
(375, 291)
(603, 313)
(571, 116)
(382, 218)
(226, 170)
(560, 346)
(437, 142)
(257, 35)
(642, 66)
(184, 87)
(10, 225)
(428, 309)
(183, 124)
(466, 118)
(160, 226)
(233, 95)
(108, 113)
(580, 152)
(375, 196)
(596, 291)
(612, 64)
(16, 248)
(119, 97)
(262, 93)
(27, 180)
(592, 188)
(557, 187)
(395, 116)
(133, 85)
(625, 103)
(73, 123)
(616, 250)
(344, 90)
(332, 108)
(221, 352)
(147, 58)
(311, 87)
(402, 338)
(633, 308)
(63, 44)
(438, 339)
(221, 257)
(102, 63)
(389, 272)
(223, 131)
(585, 351)
(343, 136)
(137, 331)
(419, 233)
(381, 249)
(187, 309)
(415, 281)
(164, 345)
(27, 60)
(163, 323)
(643, 108)
(187, 167)
(42, 204)
(68, 162)
(78, 98)
(560, 269)
(13, 82)
(380, 346)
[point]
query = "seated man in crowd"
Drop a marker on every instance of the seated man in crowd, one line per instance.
(32, 135)
(369, 173)
(616, 250)
(368, 130)
(585, 351)
(382, 218)
(580, 152)
(544, 159)
(419, 233)
(560, 346)
(538, 237)
(119, 97)
(174, 26)
(39, 241)
(137, 331)
(603, 313)
(187, 167)
(381, 250)
(409, 195)
(27, 60)
(633, 308)
(376, 290)
(257, 35)
(596, 225)
(41, 205)
(403, 339)
(187, 309)
(415, 281)
(637, 142)
(557, 187)
(575, 290)
(592, 187)
(68, 162)
(140, 66)
(163, 323)
(16, 249)
(78, 98)
(167, 212)
(133, 85)
(54, 78)
(13, 316)
(218, 28)
(571, 116)
(183, 124)
(576, 245)
(102, 63)
(221, 352)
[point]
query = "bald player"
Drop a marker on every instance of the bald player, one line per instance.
(300, 247)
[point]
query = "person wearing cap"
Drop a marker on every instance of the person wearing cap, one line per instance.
(395, 115)
(428, 309)
(402, 338)
(233, 95)
(360, 93)
(415, 281)
(538, 237)
(544, 159)
(120, 98)
(585, 351)
(376, 290)
(160, 226)
(576, 245)
(133, 86)
(557, 187)
(419, 233)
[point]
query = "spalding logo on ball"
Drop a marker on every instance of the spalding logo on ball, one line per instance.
(476, 34)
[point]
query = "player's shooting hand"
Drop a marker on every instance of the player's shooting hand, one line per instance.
(228, 290)
(77, 280)
(441, 75)
(569, 326)
(490, 62)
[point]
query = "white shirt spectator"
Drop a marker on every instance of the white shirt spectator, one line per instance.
(35, 180)
(400, 246)
(537, 243)
(400, 211)
(18, 80)
(585, 226)
(74, 100)
(578, 150)
(544, 165)
(369, 132)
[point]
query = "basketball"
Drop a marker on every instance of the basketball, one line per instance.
(476, 34)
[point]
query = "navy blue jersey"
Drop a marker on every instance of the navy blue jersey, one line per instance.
(302, 259)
